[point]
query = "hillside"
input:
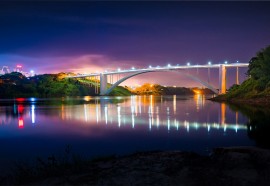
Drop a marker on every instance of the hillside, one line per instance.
(256, 89)
(155, 89)
(48, 86)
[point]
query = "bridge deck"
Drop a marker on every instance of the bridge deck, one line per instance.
(159, 68)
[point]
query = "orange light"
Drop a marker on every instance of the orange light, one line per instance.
(21, 125)
(197, 91)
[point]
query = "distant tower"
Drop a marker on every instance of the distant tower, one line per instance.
(18, 68)
(5, 70)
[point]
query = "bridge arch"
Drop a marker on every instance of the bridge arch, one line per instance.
(108, 91)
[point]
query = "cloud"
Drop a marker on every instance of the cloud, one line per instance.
(88, 63)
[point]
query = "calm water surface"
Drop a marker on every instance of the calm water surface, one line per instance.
(97, 126)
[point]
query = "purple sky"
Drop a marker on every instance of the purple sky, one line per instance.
(51, 37)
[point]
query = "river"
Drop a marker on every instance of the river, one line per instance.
(102, 126)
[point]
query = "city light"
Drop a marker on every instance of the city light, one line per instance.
(133, 68)
(150, 66)
(169, 65)
(226, 62)
(119, 69)
(188, 63)
(209, 63)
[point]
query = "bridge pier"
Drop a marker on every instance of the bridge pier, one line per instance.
(222, 79)
(237, 76)
(103, 84)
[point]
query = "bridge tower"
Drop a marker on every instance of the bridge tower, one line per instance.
(103, 84)
(222, 79)
(237, 76)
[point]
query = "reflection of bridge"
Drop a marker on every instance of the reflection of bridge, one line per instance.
(106, 76)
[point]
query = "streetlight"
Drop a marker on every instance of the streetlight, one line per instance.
(188, 63)
(119, 69)
(169, 65)
(226, 62)
(209, 63)
(150, 66)
(32, 72)
(132, 68)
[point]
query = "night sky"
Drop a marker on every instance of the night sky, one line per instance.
(51, 37)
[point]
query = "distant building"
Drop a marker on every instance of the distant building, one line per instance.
(18, 68)
(4, 70)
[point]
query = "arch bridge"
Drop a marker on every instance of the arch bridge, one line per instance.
(106, 76)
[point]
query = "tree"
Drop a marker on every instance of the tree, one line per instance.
(259, 69)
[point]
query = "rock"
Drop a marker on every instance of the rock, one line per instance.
(225, 166)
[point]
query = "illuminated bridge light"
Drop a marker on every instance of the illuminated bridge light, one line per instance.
(21, 124)
(33, 113)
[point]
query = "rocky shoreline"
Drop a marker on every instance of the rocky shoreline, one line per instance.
(225, 166)
(259, 101)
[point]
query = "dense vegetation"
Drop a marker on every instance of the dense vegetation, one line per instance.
(155, 89)
(258, 84)
(48, 85)
(57, 85)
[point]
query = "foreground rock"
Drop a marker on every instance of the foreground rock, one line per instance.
(225, 166)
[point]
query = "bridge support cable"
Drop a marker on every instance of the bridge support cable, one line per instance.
(94, 82)
(97, 85)
(111, 80)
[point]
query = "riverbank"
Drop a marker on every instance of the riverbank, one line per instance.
(255, 101)
(225, 166)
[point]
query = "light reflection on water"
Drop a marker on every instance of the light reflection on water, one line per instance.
(154, 111)
(113, 125)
